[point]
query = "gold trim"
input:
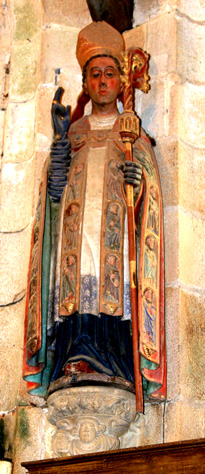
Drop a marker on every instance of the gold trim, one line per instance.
(133, 277)
(129, 195)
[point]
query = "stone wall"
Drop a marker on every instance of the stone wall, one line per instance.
(173, 113)
(37, 54)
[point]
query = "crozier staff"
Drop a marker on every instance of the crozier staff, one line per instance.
(78, 300)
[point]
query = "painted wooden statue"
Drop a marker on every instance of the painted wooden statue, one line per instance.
(100, 190)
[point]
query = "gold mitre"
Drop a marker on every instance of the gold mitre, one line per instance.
(99, 38)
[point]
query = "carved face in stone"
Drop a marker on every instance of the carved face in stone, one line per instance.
(87, 432)
(103, 83)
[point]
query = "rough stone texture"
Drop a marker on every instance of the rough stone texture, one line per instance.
(191, 117)
(192, 178)
(192, 352)
(184, 421)
(161, 44)
(151, 108)
(20, 132)
(167, 158)
(25, 50)
(27, 14)
(17, 195)
(25, 73)
(66, 12)
(136, 37)
(172, 105)
(191, 242)
(29, 444)
(172, 325)
(11, 345)
(70, 77)
(144, 10)
(189, 33)
(5, 44)
(146, 429)
(45, 132)
(14, 257)
(171, 231)
(2, 119)
(154, 423)
(64, 56)
(195, 10)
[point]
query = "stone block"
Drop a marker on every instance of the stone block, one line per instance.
(66, 12)
(45, 131)
(171, 232)
(172, 325)
(146, 429)
(19, 143)
(166, 152)
(2, 120)
(11, 345)
(144, 10)
(62, 57)
(26, 50)
(191, 243)
(136, 37)
(152, 109)
(172, 105)
(192, 352)
(14, 258)
(154, 423)
(25, 68)
(190, 61)
(184, 420)
(191, 116)
(17, 195)
(195, 10)
(161, 44)
(29, 442)
(191, 178)
(27, 14)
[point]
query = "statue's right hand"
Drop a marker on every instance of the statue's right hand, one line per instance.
(60, 115)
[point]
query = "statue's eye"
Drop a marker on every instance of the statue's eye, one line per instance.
(109, 74)
(95, 74)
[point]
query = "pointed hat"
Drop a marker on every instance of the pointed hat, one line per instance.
(99, 38)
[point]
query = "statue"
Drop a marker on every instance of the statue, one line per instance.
(82, 280)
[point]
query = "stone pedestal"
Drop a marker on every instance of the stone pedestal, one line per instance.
(89, 419)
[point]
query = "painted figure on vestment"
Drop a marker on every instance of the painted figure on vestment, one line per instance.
(78, 312)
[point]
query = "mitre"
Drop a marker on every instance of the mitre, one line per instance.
(99, 38)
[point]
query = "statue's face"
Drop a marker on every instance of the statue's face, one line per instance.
(151, 242)
(103, 83)
(87, 432)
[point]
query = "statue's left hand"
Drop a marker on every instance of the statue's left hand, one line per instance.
(60, 115)
(132, 173)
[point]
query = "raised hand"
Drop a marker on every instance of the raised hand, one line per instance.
(60, 155)
(60, 115)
